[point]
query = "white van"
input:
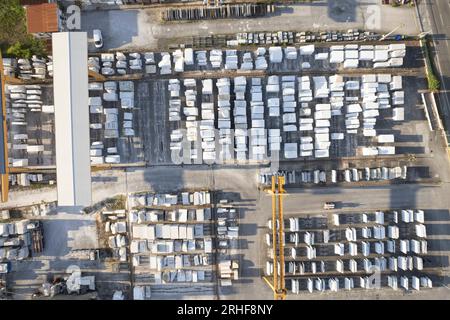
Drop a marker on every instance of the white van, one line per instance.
(98, 39)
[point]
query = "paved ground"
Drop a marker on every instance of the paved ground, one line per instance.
(143, 28)
(63, 233)
(29, 275)
(255, 210)
(152, 100)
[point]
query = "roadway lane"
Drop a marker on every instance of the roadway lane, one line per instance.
(435, 15)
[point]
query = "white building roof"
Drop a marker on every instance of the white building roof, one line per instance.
(71, 118)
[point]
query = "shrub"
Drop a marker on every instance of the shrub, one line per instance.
(433, 82)
(27, 48)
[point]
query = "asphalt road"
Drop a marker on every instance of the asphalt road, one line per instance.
(434, 16)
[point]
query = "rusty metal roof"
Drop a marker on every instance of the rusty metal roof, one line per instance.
(42, 18)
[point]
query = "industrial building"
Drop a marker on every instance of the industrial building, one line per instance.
(43, 19)
(72, 119)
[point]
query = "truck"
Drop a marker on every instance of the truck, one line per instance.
(329, 205)
(37, 238)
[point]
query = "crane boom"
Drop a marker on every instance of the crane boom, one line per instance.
(281, 233)
(395, 29)
(274, 234)
(278, 283)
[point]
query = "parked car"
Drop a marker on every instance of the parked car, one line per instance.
(98, 38)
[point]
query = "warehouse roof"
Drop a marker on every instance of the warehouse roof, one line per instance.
(73, 166)
(42, 18)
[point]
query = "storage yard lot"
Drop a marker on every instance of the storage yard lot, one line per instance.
(153, 98)
(351, 246)
(254, 207)
(350, 127)
(109, 141)
(422, 156)
(138, 126)
(32, 130)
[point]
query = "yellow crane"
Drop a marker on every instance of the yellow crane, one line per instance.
(278, 283)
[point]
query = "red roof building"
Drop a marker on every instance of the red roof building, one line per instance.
(43, 18)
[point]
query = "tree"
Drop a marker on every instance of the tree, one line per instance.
(12, 21)
(14, 39)
(18, 50)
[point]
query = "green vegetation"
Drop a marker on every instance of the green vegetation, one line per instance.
(12, 20)
(433, 81)
(27, 48)
(14, 40)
